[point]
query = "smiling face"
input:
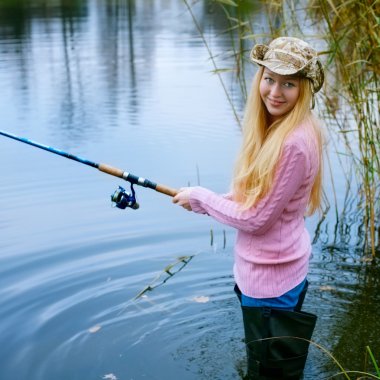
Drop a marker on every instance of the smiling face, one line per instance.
(279, 93)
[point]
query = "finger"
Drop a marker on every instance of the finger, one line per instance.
(182, 203)
(176, 198)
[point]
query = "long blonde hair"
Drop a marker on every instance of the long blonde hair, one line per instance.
(262, 146)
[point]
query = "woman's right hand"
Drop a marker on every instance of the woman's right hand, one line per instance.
(183, 198)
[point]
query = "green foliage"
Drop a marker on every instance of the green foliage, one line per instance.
(352, 35)
(227, 2)
(373, 361)
(350, 31)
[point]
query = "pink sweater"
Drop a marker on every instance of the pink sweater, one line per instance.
(272, 247)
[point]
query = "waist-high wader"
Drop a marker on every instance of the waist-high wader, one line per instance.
(283, 355)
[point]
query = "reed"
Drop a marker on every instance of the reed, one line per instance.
(373, 360)
(212, 58)
(168, 272)
(350, 30)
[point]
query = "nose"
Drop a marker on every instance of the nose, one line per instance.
(276, 90)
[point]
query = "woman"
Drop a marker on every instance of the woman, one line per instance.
(277, 180)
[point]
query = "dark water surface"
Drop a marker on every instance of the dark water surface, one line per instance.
(130, 84)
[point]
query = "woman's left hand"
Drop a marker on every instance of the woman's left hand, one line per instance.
(183, 198)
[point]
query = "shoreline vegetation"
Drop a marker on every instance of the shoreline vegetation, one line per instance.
(347, 35)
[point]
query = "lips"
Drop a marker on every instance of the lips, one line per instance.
(275, 103)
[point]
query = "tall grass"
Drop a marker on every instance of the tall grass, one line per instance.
(350, 33)
(351, 30)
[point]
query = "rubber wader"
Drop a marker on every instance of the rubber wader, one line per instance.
(277, 341)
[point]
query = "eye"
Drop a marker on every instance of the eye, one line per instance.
(289, 85)
(269, 80)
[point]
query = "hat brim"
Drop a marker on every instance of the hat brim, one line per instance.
(287, 64)
(278, 67)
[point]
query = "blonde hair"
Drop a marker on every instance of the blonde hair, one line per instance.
(262, 146)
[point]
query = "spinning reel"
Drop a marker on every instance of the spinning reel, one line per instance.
(122, 199)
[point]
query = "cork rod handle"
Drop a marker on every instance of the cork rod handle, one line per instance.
(146, 183)
(166, 190)
(111, 170)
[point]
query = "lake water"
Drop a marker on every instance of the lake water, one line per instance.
(129, 83)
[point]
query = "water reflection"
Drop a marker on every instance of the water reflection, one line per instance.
(347, 295)
(102, 53)
(358, 325)
(129, 82)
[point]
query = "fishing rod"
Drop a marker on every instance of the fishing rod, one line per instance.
(120, 198)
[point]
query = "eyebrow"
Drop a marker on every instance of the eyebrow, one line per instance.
(285, 77)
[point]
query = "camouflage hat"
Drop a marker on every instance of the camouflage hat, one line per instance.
(290, 55)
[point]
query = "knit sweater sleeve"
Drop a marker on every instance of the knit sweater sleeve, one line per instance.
(289, 177)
